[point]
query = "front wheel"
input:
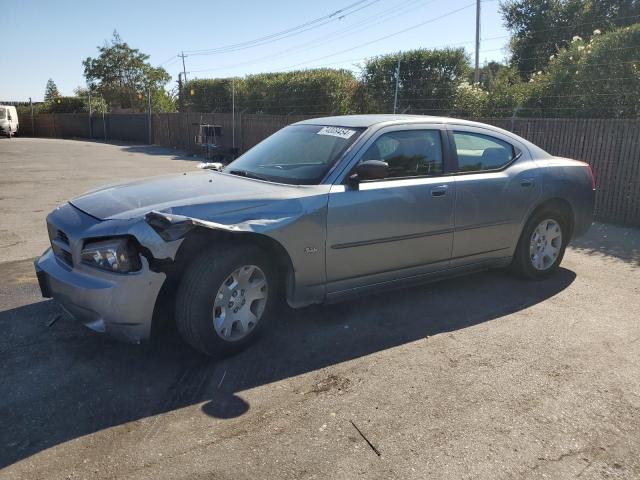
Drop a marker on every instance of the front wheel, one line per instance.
(225, 298)
(541, 246)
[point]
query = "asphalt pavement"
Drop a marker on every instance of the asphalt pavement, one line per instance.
(485, 376)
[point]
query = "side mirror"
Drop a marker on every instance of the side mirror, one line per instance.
(370, 170)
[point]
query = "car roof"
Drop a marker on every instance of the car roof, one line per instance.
(365, 121)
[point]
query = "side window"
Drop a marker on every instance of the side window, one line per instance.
(477, 152)
(409, 153)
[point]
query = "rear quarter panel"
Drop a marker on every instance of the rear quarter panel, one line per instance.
(570, 180)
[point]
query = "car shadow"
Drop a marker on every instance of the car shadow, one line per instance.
(174, 153)
(62, 382)
(611, 240)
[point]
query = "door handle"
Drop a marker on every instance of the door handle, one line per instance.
(439, 191)
(526, 182)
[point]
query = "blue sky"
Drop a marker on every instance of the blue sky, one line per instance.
(50, 39)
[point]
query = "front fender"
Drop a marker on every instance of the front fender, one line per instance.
(298, 225)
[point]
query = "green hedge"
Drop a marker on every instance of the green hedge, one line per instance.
(319, 91)
(65, 105)
(428, 81)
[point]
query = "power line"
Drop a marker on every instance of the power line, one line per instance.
(413, 27)
(333, 36)
(431, 47)
(168, 60)
(311, 24)
(404, 30)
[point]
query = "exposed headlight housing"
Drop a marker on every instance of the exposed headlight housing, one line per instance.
(114, 255)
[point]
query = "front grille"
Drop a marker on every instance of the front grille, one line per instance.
(60, 235)
(66, 257)
(60, 245)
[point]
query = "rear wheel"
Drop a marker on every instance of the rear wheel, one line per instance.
(541, 246)
(225, 298)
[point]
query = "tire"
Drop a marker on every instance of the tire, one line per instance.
(537, 257)
(206, 324)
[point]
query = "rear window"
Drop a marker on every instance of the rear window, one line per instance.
(477, 152)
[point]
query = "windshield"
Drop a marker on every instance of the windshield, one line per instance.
(2, 113)
(297, 154)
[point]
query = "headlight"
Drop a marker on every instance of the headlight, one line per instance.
(115, 255)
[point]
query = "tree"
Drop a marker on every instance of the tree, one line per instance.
(595, 78)
(541, 28)
(507, 94)
(488, 73)
(427, 84)
(123, 76)
(51, 91)
(98, 104)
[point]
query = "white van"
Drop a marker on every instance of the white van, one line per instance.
(8, 120)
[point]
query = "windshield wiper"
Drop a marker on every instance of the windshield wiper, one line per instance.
(248, 174)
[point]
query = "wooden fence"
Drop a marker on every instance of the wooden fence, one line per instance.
(128, 127)
(610, 146)
(179, 129)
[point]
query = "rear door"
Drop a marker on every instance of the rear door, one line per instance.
(397, 227)
(496, 182)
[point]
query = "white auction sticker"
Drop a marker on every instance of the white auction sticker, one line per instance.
(337, 132)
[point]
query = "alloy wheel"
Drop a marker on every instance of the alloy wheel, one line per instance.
(240, 303)
(545, 244)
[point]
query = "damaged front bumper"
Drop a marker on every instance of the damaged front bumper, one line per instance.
(119, 304)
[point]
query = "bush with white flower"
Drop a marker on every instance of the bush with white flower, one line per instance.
(469, 100)
(595, 78)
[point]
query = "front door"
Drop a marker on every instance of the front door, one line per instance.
(394, 228)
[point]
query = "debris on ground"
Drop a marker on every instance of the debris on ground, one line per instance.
(377, 452)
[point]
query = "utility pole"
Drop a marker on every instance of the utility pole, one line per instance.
(104, 127)
(149, 114)
(184, 69)
(233, 112)
(180, 93)
(476, 76)
(395, 98)
(33, 127)
(90, 126)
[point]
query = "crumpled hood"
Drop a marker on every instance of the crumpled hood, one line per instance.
(178, 193)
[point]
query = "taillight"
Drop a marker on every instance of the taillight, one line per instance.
(593, 177)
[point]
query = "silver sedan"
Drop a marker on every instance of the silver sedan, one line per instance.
(321, 211)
